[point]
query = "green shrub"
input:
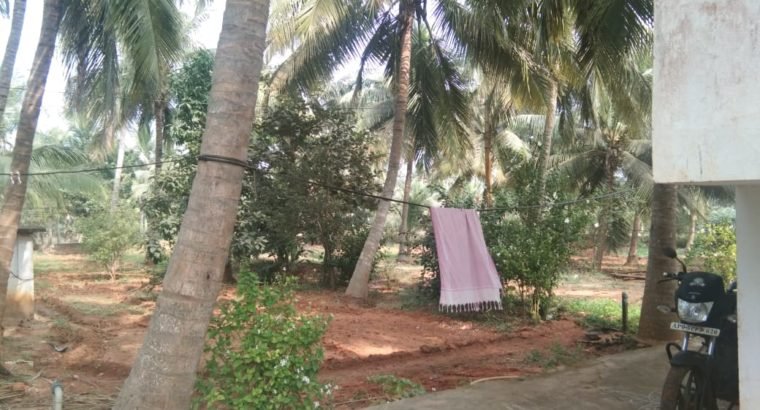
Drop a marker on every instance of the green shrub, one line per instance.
(395, 388)
(107, 236)
(531, 247)
(430, 278)
(263, 354)
(714, 250)
(347, 255)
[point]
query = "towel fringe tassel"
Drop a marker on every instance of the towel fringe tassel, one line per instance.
(484, 306)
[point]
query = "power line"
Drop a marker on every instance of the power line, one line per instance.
(86, 170)
(563, 203)
(330, 187)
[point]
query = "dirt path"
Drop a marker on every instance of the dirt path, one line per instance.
(102, 325)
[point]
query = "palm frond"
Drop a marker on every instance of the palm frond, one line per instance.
(50, 190)
(320, 52)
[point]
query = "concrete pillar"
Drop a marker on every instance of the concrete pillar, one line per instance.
(748, 277)
(20, 296)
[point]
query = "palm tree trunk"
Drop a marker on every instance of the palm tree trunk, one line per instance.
(403, 235)
(15, 193)
(633, 258)
(604, 218)
(692, 229)
(488, 163)
(600, 244)
(546, 148)
(358, 287)
(117, 173)
(9, 59)
(158, 113)
(653, 324)
(163, 375)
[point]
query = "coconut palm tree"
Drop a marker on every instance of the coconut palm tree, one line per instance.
(164, 372)
(91, 27)
(118, 53)
(11, 48)
(14, 194)
(330, 32)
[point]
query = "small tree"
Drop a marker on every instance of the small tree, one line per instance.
(528, 251)
(107, 236)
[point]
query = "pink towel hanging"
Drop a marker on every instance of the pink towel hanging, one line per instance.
(469, 281)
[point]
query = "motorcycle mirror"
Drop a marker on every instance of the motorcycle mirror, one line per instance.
(669, 252)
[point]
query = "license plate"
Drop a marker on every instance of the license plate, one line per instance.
(707, 331)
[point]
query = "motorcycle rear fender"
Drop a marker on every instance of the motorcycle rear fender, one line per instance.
(689, 359)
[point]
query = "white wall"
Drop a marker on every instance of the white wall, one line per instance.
(706, 116)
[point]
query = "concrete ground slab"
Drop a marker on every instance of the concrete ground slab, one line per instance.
(630, 380)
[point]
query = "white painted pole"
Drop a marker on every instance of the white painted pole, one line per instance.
(20, 293)
(748, 273)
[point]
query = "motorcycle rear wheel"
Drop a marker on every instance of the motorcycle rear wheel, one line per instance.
(682, 390)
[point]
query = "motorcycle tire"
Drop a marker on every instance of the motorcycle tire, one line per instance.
(680, 391)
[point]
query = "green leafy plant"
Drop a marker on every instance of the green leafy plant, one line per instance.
(108, 235)
(714, 250)
(262, 353)
(395, 388)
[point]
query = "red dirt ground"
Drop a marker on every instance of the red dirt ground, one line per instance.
(104, 323)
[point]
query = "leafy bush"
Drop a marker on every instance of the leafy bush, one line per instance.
(263, 354)
(531, 247)
(303, 183)
(430, 278)
(107, 236)
(296, 193)
(347, 256)
(714, 250)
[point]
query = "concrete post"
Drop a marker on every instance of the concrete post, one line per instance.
(748, 277)
(20, 296)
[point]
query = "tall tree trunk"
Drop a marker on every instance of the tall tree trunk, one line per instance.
(163, 375)
(158, 112)
(600, 241)
(358, 287)
(15, 193)
(403, 235)
(653, 324)
(602, 231)
(9, 59)
(115, 191)
(692, 229)
(633, 249)
(488, 138)
(546, 148)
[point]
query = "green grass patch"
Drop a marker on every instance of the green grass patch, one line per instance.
(600, 313)
(52, 263)
(557, 355)
(104, 310)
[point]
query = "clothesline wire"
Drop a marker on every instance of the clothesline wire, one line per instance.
(338, 189)
(87, 170)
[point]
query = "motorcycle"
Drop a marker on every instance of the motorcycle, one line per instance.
(702, 375)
